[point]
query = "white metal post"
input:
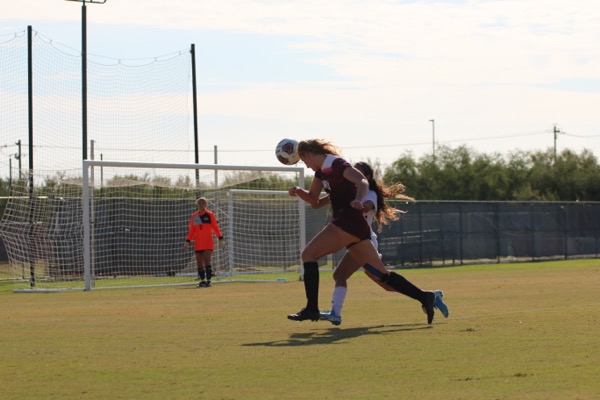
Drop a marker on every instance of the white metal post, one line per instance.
(302, 210)
(85, 199)
(231, 238)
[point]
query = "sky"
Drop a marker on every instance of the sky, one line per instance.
(379, 78)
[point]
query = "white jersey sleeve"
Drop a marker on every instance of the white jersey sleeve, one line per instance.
(372, 197)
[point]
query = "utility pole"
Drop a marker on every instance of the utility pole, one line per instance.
(18, 156)
(433, 141)
(556, 132)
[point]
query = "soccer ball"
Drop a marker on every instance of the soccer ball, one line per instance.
(287, 152)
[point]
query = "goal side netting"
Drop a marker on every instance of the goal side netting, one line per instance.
(124, 224)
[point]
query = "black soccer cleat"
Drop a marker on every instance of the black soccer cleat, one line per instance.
(428, 305)
(305, 314)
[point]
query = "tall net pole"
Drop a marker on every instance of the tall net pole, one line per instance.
(84, 72)
(30, 120)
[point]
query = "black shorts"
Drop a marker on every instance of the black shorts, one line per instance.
(202, 251)
(352, 221)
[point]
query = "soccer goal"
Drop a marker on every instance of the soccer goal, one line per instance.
(123, 224)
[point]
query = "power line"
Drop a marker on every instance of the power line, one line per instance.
(474, 139)
(581, 136)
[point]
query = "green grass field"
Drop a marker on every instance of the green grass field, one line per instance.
(515, 331)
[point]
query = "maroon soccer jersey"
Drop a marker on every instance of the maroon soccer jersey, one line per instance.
(341, 190)
(341, 193)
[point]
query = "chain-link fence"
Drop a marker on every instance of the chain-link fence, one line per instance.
(449, 233)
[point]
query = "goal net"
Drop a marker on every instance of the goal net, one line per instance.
(123, 224)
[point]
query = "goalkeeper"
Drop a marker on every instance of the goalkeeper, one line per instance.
(203, 224)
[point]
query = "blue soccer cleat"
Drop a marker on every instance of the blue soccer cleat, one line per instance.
(331, 317)
(439, 303)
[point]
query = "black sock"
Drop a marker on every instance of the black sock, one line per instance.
(201, 273)
(402, 285)
(311, 284)
(208, 272)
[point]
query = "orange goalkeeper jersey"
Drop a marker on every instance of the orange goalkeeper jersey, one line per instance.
(201, 230)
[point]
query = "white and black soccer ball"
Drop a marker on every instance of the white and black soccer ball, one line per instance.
(287, 152)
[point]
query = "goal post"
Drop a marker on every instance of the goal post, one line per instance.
(123, 224)
(264, 227)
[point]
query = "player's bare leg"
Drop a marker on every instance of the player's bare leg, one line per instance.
(328, 241)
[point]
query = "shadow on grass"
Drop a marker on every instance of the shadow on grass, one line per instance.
(334, 335)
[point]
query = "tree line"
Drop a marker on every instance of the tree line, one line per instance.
(453, 174)
(463, 174)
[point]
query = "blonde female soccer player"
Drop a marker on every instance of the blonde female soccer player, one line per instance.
(346, 187)
(375, 210)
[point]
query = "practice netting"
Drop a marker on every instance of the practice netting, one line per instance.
(124, 225)
(132, 228)
(136, 109)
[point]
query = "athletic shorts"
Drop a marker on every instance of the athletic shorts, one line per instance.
(352, 221)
